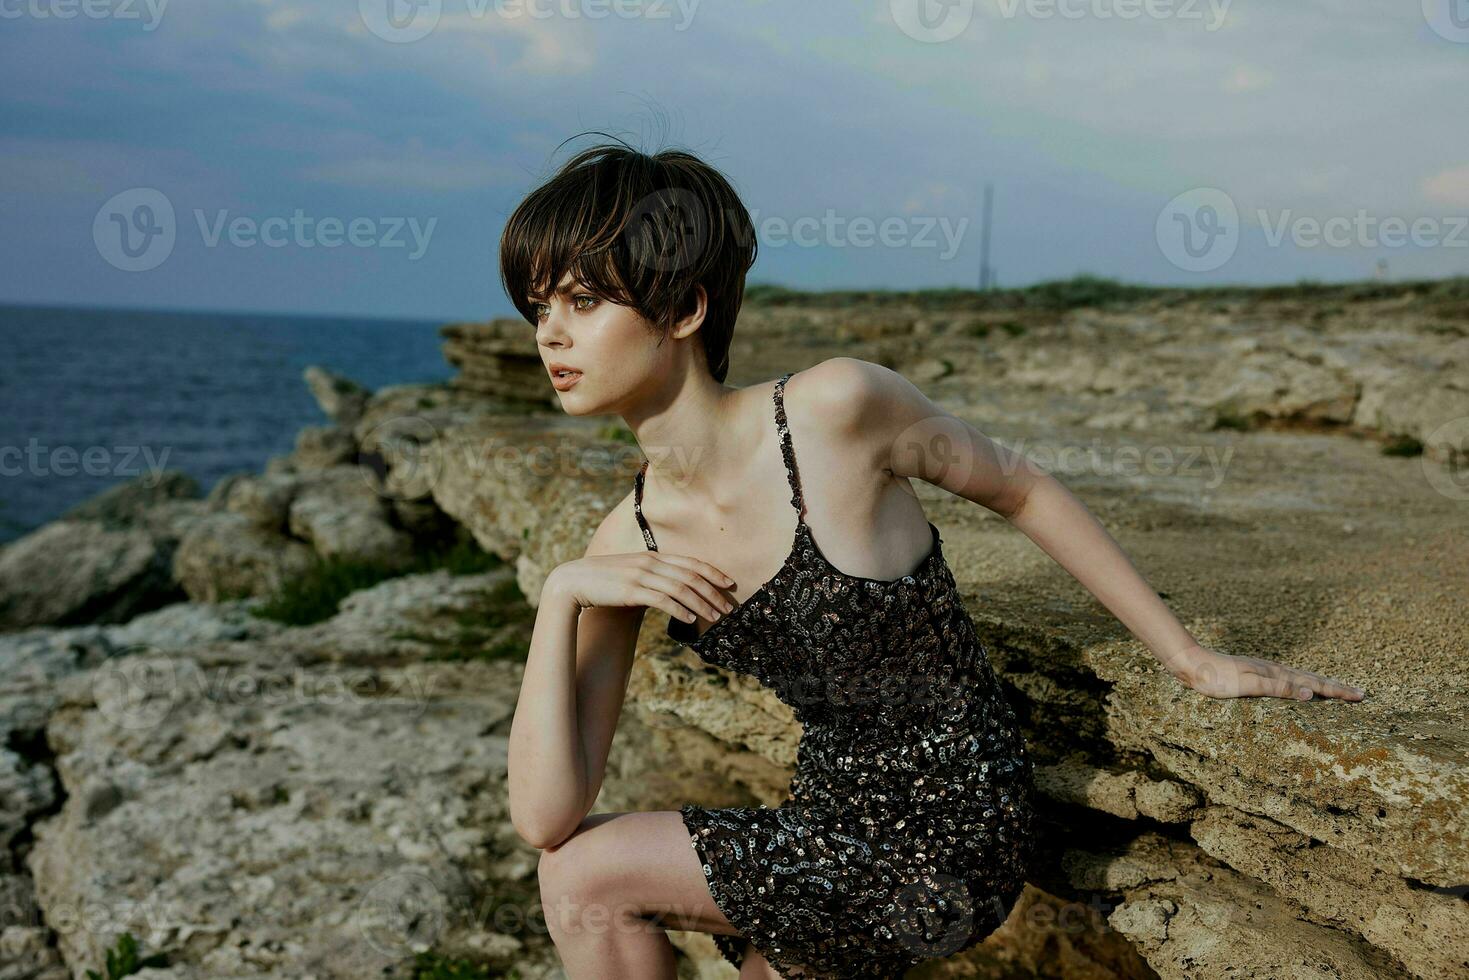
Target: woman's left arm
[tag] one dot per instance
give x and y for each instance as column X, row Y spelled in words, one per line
column 912, row 437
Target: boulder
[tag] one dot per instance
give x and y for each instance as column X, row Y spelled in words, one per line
column 341, row 398
column 255, row 806
column 228, row 556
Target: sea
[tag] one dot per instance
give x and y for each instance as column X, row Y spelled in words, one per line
column 90, row 398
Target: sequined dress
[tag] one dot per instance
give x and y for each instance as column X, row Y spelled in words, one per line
column 906, row 834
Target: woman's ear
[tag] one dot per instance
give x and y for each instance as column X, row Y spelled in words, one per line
column 688, row 324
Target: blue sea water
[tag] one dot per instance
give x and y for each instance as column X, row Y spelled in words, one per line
column 90, row 397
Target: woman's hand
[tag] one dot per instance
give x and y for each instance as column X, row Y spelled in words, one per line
column 679, row 585
column 1221, row 675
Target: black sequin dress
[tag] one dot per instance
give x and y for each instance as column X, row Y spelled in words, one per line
column 907, row 832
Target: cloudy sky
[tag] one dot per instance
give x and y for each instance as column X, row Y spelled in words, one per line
column 360, row 156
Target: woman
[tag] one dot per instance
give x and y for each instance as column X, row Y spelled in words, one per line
column 907, row 832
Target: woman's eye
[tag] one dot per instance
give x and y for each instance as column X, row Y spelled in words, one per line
column 542, row 310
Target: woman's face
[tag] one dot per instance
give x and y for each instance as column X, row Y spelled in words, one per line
column 613, row 349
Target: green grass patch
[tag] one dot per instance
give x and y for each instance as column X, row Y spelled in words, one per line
column 1402, row 445
column 501, row 630
column 432, row 966
column 1446, row 298
column 315, row 595
column 1230, row 420
column 124, row 961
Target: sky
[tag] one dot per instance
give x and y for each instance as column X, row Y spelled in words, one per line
column 360, row 157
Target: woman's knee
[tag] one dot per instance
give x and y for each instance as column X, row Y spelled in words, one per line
column 578, row 886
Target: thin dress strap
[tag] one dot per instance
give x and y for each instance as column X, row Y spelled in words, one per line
column 637, row 506
column 787, row 452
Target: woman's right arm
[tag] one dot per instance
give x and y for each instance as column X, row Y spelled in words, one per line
column 576, row 672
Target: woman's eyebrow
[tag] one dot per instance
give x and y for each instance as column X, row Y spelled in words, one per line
column 567, row 290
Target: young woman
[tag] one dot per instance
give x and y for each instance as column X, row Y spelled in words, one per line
column 777, row 527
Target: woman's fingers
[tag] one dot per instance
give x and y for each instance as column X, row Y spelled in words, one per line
column 690, row 589
column 1281, row 685
column 1302, row 685
column 1334, row 688
column 655, row 598
column 1224, row 676
column 1325, row 686
column 698, row 565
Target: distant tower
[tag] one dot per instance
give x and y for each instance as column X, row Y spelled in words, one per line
column 1382, row 268
column 986, row 273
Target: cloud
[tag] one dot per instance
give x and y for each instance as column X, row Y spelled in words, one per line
column 545, row 46
column 548, row 45
column 934, row 197
column 1248, row 78
column 1451, row 187
column 411, row 167
column 282, row 18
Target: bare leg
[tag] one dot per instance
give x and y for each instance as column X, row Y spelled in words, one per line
column 612, row 887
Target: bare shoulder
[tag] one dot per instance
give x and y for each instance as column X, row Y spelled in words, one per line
column 847, row 389
column 618, row 533
column 857, row 404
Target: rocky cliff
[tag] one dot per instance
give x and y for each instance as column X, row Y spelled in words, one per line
column 253, row 794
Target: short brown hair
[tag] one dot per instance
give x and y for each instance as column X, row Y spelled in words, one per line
column 640, row 230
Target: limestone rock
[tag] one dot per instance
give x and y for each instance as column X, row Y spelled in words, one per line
column 340, row 513
column 494, row 359
column 1386, row 910
column 275, row 809
column 127, row 504
column 320, row 447
column 342, row 399
column 265, row 500
column 82, row 571
column 1191, row 917
column 227, row 556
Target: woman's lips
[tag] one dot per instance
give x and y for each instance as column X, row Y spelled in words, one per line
column 563, row 382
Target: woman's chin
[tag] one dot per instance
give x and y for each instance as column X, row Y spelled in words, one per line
column 572, row 405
